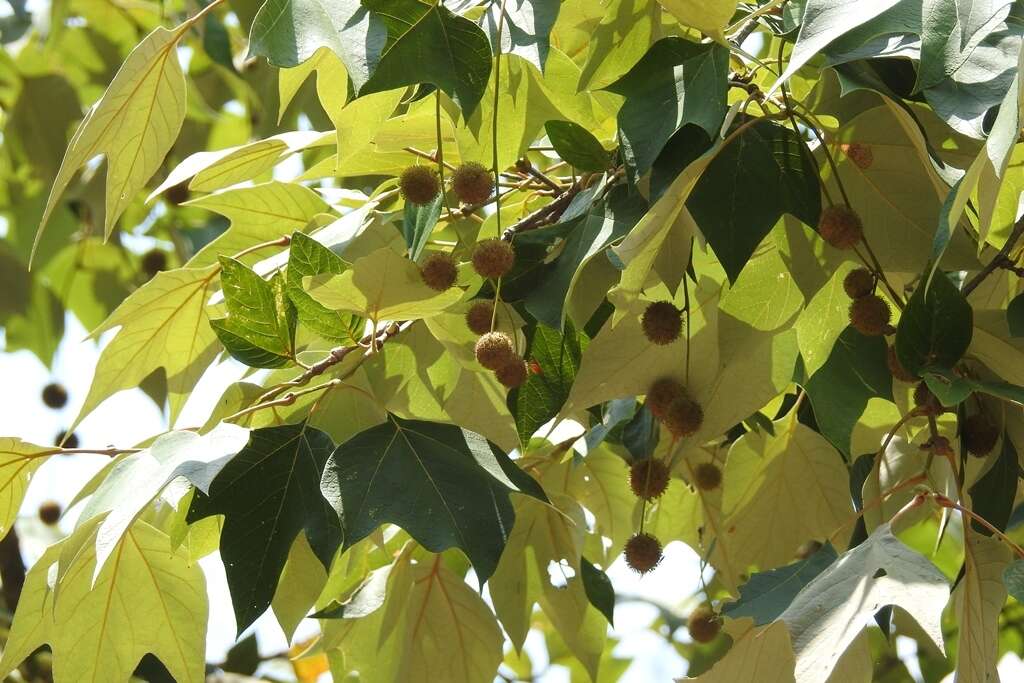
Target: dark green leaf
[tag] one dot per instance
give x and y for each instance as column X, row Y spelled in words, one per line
column 855, row 372
column 243, row 657
column 599, row 589
column 952, row 389
column 418, row 222
column 676, row 82
column 443, row 485
column 554, row 358
column 936, row 327
column 1015, row 316
column 525, row 30
column 1013, row 578
column 640, row 435
column 308, row 257
column 259, row 329
column 217, row 42
column 992, row 496
column 762, row 174
column 428, row 44
column 269, row 493
column 577, row 146
column 767, row 594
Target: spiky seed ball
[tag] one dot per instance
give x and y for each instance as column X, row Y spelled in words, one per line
column 896, row 367
column 840, row 226
column 494, row 350
column 154, row 261
column 807, row 549
column 980, row 434
column 661, row 394
column 439, row 271
column 55, row 396
column 70, row 442
column 683, row 417
column 870, row 315
column 926, row 401
column 643, row 553
column 707, row 476
column 49, row 512
column 419, row 184
column 493, row 258
column 648, row 478
column 662, row 322
column 472, row 183
column 513, row 373
column 858, row 283
column 703, row 624
column 941, row 447
column 479, row 316
column 178, row 194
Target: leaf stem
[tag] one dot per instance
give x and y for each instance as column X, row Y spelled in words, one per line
column 1001, row 257
column 948, row 503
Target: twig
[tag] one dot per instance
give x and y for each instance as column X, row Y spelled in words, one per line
column 545, row 215
column 947, row 503
column 1002, row 257
column 282, row 241
column 539, row 175
column 428, row 156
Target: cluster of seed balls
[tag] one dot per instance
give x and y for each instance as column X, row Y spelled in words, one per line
column 492, row 258
column 55, row 396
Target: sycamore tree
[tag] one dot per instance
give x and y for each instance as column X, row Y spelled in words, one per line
column 759, row 260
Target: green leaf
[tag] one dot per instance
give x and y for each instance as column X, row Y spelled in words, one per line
column 936, row 327
column 686, row 79
column 307, row 257
column 1013, row 579
column 775, row 161
column 47, row 106
column 268, row 493
column 428, row 44
column 993, row 494
column 978, row 600
column 556, row 356
column 133, row 125
column 856, row 371
column 259, row 329
column 19, row 460
column 418, row 222
column 525, row 29
column 599, row 589
column 1015, row 316
column 952, row 389
column 951, row 30
column 148, row 599
column 445, row 486
column 708, row 16
column 767, row 594
column 577, row 146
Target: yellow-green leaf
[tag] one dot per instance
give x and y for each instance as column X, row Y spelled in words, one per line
column 18, row 462
column 763, row 654
column 978, row 599
column 708, row 16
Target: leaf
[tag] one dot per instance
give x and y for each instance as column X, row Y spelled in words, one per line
column 623, row 35
column 428, row 44
column 382, row 286
column 259, row 329
column 135, row 481
column 577, row 146
column 1015, row 316
column 525, row 29
column 599, row 589
column 689, row 80
column 770, row 158
column 936, row 327
column 1013, row 579
column 302, row 580
column 557, row 356
column 307, row 257
column 268, row 493
column 761, row 654
column 993, row 494
column 707, row 16
column 951, row 30
column 163, row 324
column 978, row 600
column 133, row 125
column 418, row 222
column 19, row 460
column 767, row 594
column 445, row 486
column 148, row 599
column 881, row 571
column 824, row 320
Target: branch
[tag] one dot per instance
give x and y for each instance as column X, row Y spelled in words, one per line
column 545, row 215
column 1000, row 259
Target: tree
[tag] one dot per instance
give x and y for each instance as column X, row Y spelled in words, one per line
column 760, row 261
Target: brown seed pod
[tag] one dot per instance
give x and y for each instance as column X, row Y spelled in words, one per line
column 177, row 194
column 493, row 257
column 55, row 396
column 683, row 417
column 896, row 367
column 472, row 183
column 858, row 283
column 513, row 373
column 494, row 350
column 926, row 401
column 643, row 553
column 419, row 184
column 980, row 434
column 71, row 440
column 662, row 322
column 707, row 476
column 840, row 226
column 703, row 624
column 479, row 316
column 439, row 271
column 648, row 478
column 870, row 315
column 49, row 512
column 154, row 261
column 941, row 447
column 661, row 394
column 807, row 549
